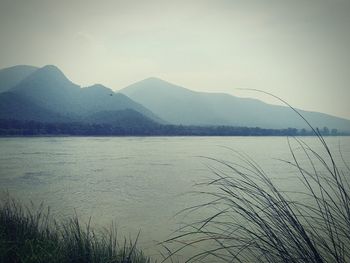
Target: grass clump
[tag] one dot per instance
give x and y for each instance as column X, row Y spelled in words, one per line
column 253, row 220
column 33, row 236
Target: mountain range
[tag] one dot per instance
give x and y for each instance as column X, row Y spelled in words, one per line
column 179, row 105
column 47, row 95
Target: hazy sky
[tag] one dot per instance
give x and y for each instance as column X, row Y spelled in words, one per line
column 296, row 49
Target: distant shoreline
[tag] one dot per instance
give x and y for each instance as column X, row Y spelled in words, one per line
column 17, row 128
column 153, row 136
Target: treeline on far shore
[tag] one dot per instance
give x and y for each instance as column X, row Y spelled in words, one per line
column 33, row 128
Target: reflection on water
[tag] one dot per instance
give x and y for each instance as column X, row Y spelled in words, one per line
column 139, row 183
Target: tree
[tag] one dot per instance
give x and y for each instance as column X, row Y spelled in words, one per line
column 325, row 131
column 334, row 132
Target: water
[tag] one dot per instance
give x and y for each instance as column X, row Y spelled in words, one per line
column 139, row 183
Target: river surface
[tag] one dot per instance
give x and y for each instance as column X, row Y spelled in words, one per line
column 139, row 183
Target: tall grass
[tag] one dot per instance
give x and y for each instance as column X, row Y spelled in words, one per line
column 28, row 235
column 254, row 220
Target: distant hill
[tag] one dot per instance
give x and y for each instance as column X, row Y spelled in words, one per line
column 47, row 95
column 10, row 77
column 179, row 105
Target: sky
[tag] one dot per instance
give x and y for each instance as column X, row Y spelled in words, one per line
column 296, row 49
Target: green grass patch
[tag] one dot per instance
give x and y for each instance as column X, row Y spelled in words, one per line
column 28, row 236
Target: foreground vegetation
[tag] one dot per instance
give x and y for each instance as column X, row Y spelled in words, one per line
column 33, row 236
column 253, row 219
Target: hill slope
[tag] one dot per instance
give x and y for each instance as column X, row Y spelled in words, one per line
column 15, row 107
column 127, row 119
column 179, row 105
column 10, row 77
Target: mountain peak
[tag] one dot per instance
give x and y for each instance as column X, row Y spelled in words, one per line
column 45, row 80
column 51, row 69
column 155, row 86
column 49, row 74
column 50, row 66
column 98, row 88
column 155, row 80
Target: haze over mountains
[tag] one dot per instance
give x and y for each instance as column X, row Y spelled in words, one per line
column 179, row 105
column 46, row 95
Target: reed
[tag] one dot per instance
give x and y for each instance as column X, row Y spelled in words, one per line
column 32, row 235
column 254, row 220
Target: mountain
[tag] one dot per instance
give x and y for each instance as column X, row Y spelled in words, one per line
column 179, row 105
column 49, row 88
column 50, row 92
column 47, row 95
column 10, row 77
